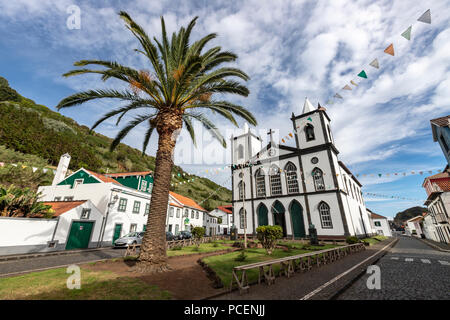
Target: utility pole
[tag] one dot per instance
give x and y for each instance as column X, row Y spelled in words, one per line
column 243, row 207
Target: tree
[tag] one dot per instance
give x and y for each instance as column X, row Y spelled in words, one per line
column 198, row 233
column 184, row 78
column 18, row 202
column 268, row 236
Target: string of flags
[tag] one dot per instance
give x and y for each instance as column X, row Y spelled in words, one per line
column 377, row 195
column 34, row 169
column 424, row 18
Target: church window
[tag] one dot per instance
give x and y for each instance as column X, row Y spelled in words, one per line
column 242, row 220
column 240, row 151
column 291, row 178
column 318, row 179
column 325, row 216
column 260, row 183
column 329, row 132
column 275, row 181
column 241, row 189
column 309, row 131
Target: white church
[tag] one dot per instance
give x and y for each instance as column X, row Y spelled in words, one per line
column 297, row 186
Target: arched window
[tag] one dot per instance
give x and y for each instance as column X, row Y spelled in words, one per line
column 325, row 216
column 309, row 131
column 192, row 214
column 240, row 151
column 260, row 179
column 242, row 220
column 318, row 179
column 241, row 189
column 291, row 178
column 275, row 181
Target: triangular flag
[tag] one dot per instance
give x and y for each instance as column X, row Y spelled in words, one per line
column 362, row 74
column 407, row 33
column 309, row 119
column 346, row 87
column 330, row 102
column 425, row 17
column 337, row 95
column 291, row 135
column 390, row 49
column 375, row 64
column 353, row 83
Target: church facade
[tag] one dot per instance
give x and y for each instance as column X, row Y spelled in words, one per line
column 297, row 186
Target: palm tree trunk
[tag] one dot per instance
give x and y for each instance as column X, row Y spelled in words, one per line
column 153, row 257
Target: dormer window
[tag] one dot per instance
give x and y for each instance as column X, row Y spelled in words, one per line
column 309, row 131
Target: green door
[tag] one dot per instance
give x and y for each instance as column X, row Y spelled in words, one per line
column 79, row 236
column 278, row 216
column 117, row 232
column 298, row 224
column 263, row 219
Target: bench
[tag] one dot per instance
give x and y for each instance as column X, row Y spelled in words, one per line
column 132, row 249
column 288, row 265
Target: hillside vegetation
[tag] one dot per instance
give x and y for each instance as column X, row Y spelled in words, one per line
column 34, row 135
column 409, row 213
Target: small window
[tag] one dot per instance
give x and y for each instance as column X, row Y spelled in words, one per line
column 85, row 213
column 325, row 216
column 147, row 209
column 186, row 213
column 77, row 182
column 144, row 185
column 309, row 132
column 196, row 215
column 377, row 223
column 178, row 212
column 68, row 198
column 57, row 199
column 133, row 227
column 122, row 205
column 192, row 214
column 171, row 210
column 136, row 206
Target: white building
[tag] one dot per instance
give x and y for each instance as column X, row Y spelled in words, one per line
column 381, row 224
column 297, row 186
column 224, row 215
column 430, row 227
column 211, row 224
column 413, row 227
column 183, row 213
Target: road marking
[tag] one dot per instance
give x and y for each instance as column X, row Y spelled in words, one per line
column 409, row 259
column 312, row 293
column 425, row 260
column 444, row 263
column 394, row 258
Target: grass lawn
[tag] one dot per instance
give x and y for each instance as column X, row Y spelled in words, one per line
column 204, row 248
column 374, row 240
column 223, row 264
column 95, row 285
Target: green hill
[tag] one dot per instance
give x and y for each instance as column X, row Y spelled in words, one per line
column 407, row 214
column 34, row 135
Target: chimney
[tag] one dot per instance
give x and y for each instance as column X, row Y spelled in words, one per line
column 61, row 171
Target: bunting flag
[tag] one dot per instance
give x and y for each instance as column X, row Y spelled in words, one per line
column 354, row 83
column 375, row 64
column 390, row 49
column 407, row 33
column 309, row 119
column 425, row 17
column 330, row 102
column 362, row 74
column 346, row 87
column 337, row 95
column 291, row 134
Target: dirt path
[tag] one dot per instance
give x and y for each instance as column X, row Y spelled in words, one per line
column 187, row 279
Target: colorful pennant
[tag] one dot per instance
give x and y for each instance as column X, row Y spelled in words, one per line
column 375, row 64
column 362, row 74
column 353, row 83
column 346, row 87
column 390, row 49
column 425, row 17
column 407, row 33
column 337, row 95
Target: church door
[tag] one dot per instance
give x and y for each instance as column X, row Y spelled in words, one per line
column 298, row 225
column 263, row 219
column 278, row 216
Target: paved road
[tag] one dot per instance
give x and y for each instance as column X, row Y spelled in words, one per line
column 409, row 271
column 8, row 268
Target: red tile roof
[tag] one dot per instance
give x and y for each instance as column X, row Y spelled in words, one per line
column 226, row 209
column 175, row 205
column 376, row 216
column 61, row 207
column 124, row 174
column 103, row 178
column 444, row 184
column 441, row 122
column 186, row 201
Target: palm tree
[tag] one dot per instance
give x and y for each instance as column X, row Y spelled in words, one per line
column 182, row 83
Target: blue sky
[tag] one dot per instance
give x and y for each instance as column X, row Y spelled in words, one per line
column 290, row 49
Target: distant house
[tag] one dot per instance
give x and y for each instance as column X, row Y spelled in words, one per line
column 224, row 215
column 437, row 188
column 183, row 212
column 413, row 226
column 441, row 133
column 380, row 224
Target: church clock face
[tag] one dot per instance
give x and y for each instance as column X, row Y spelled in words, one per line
column 314, row 160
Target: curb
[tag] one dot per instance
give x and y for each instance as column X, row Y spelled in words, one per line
column 47, row 254
column 434, row 246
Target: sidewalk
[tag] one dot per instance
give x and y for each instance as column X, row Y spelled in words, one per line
column 321, row 283
column 436, row 245
column 47, row 254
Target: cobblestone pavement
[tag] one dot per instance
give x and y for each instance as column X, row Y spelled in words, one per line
column 9, row 268
column 409, row 271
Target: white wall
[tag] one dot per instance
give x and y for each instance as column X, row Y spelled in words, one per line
column 23, row 235
column 384, row 228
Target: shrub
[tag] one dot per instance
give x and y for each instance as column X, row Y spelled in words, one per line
column 176, row 248
column 198, row 233
column 241, row 257
column 352, row 240
column 268, row 236
column 215, row 244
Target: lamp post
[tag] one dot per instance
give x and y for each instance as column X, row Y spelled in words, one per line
column 243, row 208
